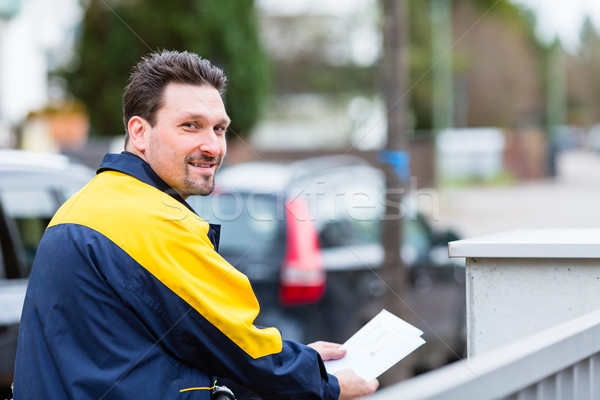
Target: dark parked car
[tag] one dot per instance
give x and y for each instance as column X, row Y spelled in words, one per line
column 32, row 187
column 307, row 234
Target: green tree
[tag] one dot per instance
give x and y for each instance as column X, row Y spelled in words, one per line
column 116, row 34
column 583, row 79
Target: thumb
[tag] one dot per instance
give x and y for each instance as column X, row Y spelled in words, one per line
column 373, row 384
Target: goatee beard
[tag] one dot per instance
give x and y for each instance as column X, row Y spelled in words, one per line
column 206, row 183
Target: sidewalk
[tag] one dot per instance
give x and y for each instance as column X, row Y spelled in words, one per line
column 569, row 200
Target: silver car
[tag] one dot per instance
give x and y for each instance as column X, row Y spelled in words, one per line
column 32, row 188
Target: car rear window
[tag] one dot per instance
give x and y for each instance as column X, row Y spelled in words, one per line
column 251, row 222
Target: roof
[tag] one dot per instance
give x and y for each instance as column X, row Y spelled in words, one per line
column 10, row 157
column 45, row 164
column 270, row 177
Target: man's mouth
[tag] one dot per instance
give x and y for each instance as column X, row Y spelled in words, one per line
column 202, row 165
column 211, row 163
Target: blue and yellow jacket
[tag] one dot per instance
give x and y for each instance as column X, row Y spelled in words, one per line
column 128, row 299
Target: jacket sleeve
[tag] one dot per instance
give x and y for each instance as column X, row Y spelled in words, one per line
column 208, row 323
column 202, row 311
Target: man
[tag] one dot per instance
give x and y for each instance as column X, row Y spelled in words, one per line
column 128, row 298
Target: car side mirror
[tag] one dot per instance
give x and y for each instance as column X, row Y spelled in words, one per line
column 442, row 238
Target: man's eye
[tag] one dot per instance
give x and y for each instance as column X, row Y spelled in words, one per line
column 220, row 129
column 190, row 125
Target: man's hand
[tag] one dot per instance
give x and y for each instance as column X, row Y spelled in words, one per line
column 353, row 386
column 328, row 350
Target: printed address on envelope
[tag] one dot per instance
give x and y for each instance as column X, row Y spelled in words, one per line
column 377, row 346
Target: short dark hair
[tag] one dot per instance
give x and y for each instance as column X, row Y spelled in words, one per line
column 143, row 95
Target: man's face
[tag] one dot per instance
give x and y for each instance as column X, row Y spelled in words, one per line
column 186, row 145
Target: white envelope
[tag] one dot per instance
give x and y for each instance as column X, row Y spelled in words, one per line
column 377, row 346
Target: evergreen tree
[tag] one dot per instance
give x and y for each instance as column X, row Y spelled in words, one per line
column 115, row 35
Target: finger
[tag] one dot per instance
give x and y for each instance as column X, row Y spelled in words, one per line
column 332, row 353
column 323, row 344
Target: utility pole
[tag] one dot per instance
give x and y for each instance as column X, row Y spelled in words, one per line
column 396, row 159
column 8, row 9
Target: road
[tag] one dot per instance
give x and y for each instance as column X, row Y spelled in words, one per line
column 569, row 200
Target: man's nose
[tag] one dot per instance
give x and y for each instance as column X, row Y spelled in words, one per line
column 210, row 144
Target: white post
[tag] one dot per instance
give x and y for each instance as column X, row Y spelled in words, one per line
column 524, row 281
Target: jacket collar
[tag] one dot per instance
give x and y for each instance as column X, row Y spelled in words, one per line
column 130, row 164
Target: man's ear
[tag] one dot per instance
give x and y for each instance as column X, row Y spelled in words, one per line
column 137, row 129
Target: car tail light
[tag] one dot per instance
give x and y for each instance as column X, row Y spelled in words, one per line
column 302, row 277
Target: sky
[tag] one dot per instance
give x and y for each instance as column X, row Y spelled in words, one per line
column 563, row 18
